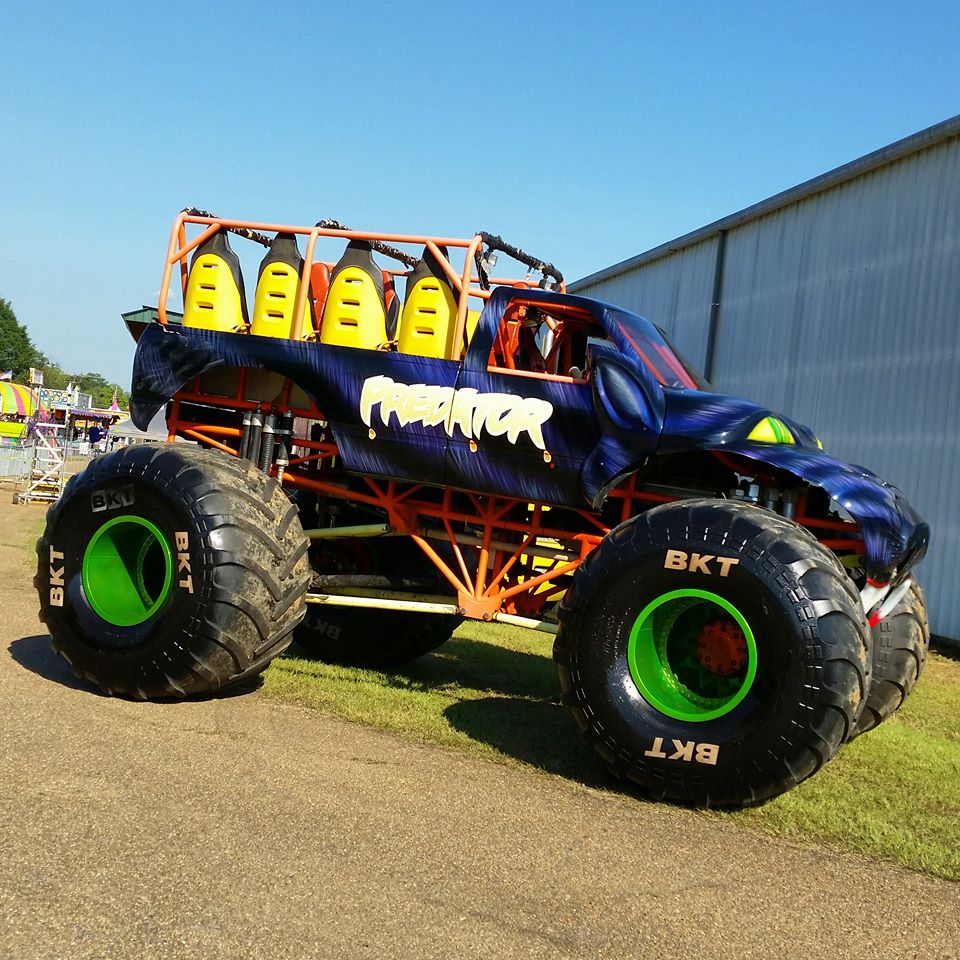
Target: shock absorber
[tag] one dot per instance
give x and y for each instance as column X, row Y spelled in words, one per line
column 268, row 442
column 256, row 430
column 284, row 436
column 245, row 434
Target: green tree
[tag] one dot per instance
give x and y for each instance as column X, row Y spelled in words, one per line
column 17, row 352
column 54, row 376
column 99, row 389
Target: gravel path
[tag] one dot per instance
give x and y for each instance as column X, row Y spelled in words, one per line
column 242, row 828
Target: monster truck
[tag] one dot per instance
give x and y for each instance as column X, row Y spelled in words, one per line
column 729, row 603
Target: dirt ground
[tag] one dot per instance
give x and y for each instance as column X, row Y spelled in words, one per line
column 237, row 827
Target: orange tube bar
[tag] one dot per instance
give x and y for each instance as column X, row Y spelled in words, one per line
column 197, row 240
column 439, row 563
column 505, row 569
column 300, row 309
column 175, row 234
column 456, row 551
column 328, row 232
column 216, row 430
column 455, row 278
column 176, row 251
column 458, row 336
column 213, row 443
column 543, row 578
column 181, row 240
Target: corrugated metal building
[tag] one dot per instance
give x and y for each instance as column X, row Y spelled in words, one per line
column 837, row 302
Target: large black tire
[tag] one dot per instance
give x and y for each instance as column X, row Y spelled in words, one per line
column 900, row 645
column 358, row 637
column 811, row 653
column 169, row 571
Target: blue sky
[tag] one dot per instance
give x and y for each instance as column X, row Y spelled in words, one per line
column 584, row 132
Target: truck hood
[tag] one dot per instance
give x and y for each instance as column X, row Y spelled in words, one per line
column 895, row 536
column 698, row 419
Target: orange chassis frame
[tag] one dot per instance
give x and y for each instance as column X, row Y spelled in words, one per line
column 502, row 531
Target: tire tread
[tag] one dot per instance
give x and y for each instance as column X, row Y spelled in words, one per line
column 831, row 617
column 258, row 574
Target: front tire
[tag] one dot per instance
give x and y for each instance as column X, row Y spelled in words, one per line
column 713, row 653
column 900, row 645
column 169, row 571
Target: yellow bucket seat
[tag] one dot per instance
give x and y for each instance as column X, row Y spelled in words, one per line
column 428, row 321
column 278, row 282
column 214, row 298
column 355, row 314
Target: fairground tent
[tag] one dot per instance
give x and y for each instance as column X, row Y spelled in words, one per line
column 17, row 399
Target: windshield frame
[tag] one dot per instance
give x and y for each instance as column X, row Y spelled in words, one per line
column 654, row 349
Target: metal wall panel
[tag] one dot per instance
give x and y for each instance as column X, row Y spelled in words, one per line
column 674, row 292
column 843, row 310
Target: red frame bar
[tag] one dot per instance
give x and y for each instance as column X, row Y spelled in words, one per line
column 412, row 507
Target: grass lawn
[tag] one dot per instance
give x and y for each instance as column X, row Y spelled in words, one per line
column 893, row 793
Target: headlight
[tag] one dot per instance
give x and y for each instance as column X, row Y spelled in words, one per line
column 771, row 430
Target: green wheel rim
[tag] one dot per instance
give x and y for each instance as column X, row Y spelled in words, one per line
column 663, row 662
column 127, row 571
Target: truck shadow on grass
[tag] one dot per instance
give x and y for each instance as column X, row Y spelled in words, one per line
column 37, row 655
column 520, row 716
column 475, row 665
column 502, row 698
column 539, row 733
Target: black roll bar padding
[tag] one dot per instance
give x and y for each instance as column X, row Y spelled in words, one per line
column 260, row 238
column 494, row 242
column 491, row 240
column 377, row 245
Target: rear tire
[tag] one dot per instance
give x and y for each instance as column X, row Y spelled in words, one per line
column 353, row 637
column 713, row 653
column 169, row 571
column 900, row 645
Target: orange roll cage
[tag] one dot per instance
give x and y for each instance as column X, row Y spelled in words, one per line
column 466, row 283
